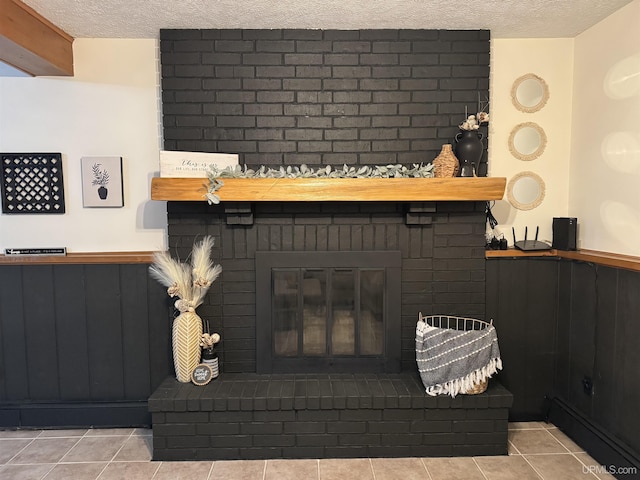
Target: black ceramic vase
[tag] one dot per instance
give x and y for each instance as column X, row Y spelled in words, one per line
column 469, row 150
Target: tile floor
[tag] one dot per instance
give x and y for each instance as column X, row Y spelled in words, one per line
column 536, row 451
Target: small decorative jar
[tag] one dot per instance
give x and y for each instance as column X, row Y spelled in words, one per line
column 210, row 357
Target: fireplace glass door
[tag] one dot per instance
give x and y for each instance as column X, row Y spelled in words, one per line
column 326, row 312
column 330, row 311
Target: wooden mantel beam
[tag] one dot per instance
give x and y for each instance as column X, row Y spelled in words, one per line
column 31, row 43
column 332, row 189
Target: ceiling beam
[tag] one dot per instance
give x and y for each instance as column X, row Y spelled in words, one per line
column 31, row 43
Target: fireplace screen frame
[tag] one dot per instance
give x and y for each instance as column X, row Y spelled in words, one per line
column 388, row 261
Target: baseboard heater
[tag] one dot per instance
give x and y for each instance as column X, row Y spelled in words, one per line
column 602, row 446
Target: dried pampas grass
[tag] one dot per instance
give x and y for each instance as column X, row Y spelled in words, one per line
column 189, row 283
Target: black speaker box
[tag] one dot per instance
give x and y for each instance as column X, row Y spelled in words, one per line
column 564, row 233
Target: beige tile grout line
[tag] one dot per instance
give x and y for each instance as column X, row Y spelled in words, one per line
column 20, row 451
column 426, row 469
column 208, row 474
column 568, row 452
column 373, row 472
column 478, row 467
column 525, row 459
column 131, row 435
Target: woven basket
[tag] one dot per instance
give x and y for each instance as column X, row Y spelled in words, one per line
column 446, row 164
column 460, row 323
column 478, row 388
column 186, row 335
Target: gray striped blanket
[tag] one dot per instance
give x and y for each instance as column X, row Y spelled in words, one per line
column 453, row 359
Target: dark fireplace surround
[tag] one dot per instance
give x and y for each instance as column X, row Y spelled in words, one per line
column 440, row 244
column 282, row 97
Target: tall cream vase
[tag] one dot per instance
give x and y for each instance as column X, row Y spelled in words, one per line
column 186, row 335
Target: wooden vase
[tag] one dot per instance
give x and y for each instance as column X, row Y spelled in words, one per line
column 186, row 335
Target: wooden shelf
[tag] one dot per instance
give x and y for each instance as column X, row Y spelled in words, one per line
column 614, row 260
column 79, row 258
column 514, row 252
column 332, row 189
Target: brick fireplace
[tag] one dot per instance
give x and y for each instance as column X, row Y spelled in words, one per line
column 283, row 97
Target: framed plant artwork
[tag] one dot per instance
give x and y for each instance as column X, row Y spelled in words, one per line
column 102, row 182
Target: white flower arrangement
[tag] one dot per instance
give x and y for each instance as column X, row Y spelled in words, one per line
column 209, row 340
column 473, row 121
column 188, row 282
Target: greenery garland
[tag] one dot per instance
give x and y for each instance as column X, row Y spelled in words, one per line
column 303, row 171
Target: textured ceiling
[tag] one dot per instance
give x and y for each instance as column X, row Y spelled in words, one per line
column 505, row 18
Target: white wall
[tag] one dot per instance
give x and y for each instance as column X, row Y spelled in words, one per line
column 109, row 108
column 552, row 60
column 605, row 147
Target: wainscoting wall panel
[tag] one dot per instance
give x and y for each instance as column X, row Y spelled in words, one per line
column 80, row 338
column 568, row 333
column 521, row 301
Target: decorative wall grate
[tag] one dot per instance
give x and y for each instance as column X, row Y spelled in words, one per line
column 32, row 183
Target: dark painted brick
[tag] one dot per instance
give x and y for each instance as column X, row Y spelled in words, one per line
column 318, row 415
column 316, row 440
column 189, row 441
column 217, row 428
column 167, row 430
column 263, row 428
column 215, row 454
column 228, row 441
column 401, row 439
column 175, row 454
column 431, row 451
column 347, row 427
column 361, row 415
column 363, row 439
column 436, row 426
column 274, row 440
column 389, row 427
column 305, row 427
column 446, row 414
column 259, row 453
column 346, row 452
column 275, row 416
column 187, row 417
column 475, row 426
column 443, row 438
column 303, row 452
